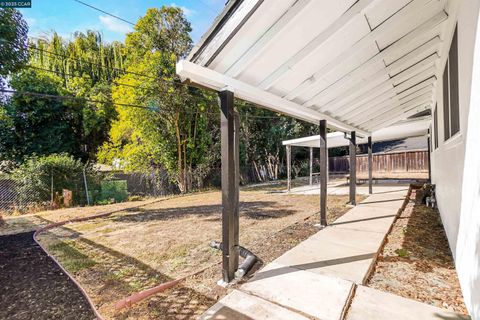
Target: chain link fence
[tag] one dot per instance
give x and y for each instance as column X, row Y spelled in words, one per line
column 22, row 194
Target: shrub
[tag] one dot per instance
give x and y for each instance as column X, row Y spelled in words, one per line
column 114, row 189
column 37, row 177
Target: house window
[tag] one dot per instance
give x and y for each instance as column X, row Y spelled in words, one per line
column 435, row 127
column 451, row 117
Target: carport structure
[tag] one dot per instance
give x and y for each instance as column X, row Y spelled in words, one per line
column 353, row 66
column 416, row 127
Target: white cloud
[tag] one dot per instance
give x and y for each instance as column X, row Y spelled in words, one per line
column 114, row 25
column 187, row 11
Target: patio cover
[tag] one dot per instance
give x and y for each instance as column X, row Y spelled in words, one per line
column 356, row 66
column 361, row 65
column 404, row 129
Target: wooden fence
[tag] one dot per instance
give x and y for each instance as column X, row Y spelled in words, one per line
column 398, row 164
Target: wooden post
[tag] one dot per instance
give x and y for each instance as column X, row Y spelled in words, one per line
column 370, row 164
column 323, row 172
column 311, row 166
column 428, row 152
column 230, row 221
column 289, row 167
column 353, row 167
column 236, row 216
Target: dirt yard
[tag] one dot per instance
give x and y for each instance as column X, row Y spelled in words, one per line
column 416, row 261
column 164, row 239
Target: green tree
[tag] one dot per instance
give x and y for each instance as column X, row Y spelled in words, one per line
column 85, row 55
column 262, row 132
column 87, row 67
column 178, row 131
column 165, row 30
column 13, row 41
column 39, row 125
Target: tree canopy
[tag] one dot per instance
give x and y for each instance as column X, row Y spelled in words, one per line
column 13, row 41
column 122, row 104
column 39, row 126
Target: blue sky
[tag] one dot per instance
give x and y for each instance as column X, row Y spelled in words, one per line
column 68, row 16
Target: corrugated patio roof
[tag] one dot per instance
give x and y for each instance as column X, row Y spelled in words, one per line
column 361, row 65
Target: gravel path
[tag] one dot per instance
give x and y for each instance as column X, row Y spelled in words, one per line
column 32, row 286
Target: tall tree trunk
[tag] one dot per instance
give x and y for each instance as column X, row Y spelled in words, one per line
column 180, row 169
column 259, row 176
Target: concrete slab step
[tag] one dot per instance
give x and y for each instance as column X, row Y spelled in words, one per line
column 241, row 306
column 312, row 294
column 344, row 254
column 373, row 304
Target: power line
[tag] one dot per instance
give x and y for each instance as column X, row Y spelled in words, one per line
column 59, row 97
column 64, row 74
column 92, row 63
column 173, row 82
column 103, row 11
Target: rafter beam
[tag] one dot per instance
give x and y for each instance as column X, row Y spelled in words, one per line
column 214, row 80
column 395, row 112
column 254, row 51
column 355, row 109
column 413, row 81
column 365, row 42
column 424, row 84
column 369, row 105
column 357, row 114
column 389, row 107
column 414, row 56
column 358, row 98
column 333, row 28
column 424, row 65
column 395, row 118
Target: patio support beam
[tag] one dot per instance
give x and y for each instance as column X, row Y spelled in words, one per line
column 353, row 167
column 370, row 163
column 289, row 167
column 230, row 218
column 311, row 166
column 207, row 78
column 323, row 172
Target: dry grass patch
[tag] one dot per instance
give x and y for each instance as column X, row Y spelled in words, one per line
column 141, row 247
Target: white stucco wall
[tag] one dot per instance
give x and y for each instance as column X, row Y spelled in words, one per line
column 456, row 162
column 468, row 240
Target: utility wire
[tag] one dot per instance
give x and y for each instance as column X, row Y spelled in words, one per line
column 115, row 82
column 60, row 97
column 105, row 12
column 173, row 82
column 92, row 63
column 64, row 74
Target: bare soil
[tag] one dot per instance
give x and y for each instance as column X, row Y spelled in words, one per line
column 33, row 286
column 416, row 261
column 168, row 238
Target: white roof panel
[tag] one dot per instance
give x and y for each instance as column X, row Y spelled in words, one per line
column 361, row 65
column 403, row 130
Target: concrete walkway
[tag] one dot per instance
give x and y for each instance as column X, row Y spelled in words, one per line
column 340, row 187
column 317, row 279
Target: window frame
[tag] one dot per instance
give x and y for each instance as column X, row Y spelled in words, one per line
column 435, row 128
column 451, row 104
